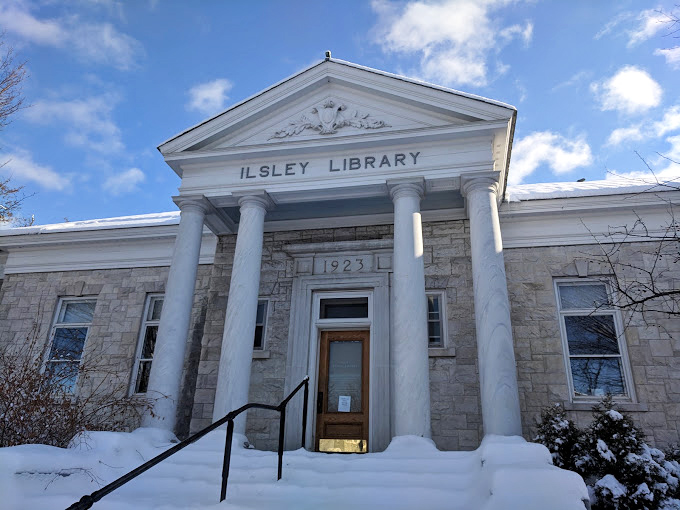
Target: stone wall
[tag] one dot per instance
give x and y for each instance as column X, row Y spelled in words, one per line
column 28, row 299
column 653, row 341
column 653, row 346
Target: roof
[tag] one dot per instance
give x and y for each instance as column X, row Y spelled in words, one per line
column 616, row 186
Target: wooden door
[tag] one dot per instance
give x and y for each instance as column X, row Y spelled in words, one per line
column 342, row 399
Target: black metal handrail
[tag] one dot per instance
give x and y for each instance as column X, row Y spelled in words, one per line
column 90, row 499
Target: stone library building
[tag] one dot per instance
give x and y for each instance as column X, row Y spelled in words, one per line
column 356, row 227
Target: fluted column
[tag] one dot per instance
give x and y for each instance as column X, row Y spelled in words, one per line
column 233, row 378
column 409, row 365
column 497, row 370
column 168, row 357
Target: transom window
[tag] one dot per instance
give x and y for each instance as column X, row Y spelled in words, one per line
column 593, row 340
column 68, row 336
column 260, row 324
column 436, row 322
column 343, row 308
column 147, row 342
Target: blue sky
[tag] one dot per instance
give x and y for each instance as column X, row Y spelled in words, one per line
column 593, row 82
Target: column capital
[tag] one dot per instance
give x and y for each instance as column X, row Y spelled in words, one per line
column 486, row 181
column 406, row 187
column 192, row 203
column 258, row 199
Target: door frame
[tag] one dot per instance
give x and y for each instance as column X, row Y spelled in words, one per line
column 303, row 349
column 319, row 325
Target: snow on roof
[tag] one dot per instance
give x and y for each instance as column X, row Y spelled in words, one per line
column 140, row 220
column 618, row 186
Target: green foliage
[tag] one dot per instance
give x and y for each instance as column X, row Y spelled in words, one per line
column 621, row 470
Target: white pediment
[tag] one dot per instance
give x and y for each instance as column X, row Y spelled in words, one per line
column 332, row 112
column 335, row 100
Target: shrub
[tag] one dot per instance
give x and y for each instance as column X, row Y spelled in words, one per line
column 34, row 408
column 620, row 469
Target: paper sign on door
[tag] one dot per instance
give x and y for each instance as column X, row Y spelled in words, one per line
column 344, row 402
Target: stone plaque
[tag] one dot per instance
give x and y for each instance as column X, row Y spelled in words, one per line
column 343, row 264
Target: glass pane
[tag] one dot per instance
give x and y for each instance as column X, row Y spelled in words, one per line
column 77, row 311
column 344, row 376
column 434, row 330
column 143, row 377
column 597, row 376
column 63, row 375
column 583, row 296
column 258, row 338
column 149, row 341
column 155, row 309
column 68, row 343
column 433, row 307
column 591, row 334
column 261, row 312
column 344, row 308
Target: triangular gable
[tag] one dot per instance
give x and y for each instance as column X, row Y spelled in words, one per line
column 334, row 99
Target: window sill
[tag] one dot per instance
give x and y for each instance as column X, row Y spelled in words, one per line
column 623, row 406
column 441, row 352
column 261, row 355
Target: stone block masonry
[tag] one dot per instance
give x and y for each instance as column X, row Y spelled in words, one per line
column 31, row 298
column 651, row 341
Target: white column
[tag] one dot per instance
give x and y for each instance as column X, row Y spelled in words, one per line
column 168, row 357
column 233, row 377
column 497, row 370
column 409, row 364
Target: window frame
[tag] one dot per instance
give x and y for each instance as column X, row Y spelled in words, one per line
column 57, row 324
column 610, row 310
column 145, row 323
column 442, row 319
column 264, row 324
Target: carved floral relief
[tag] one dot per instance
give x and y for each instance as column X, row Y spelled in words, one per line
column 327, row 118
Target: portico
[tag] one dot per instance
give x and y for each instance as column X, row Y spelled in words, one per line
column 339, row 145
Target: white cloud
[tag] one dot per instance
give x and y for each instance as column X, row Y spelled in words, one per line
column 669, row 122
column 92, row 42
column 672, row 56
column 561, row 154
column 574, row 79
column 621, row 135
column 124, row 182
column 87, row 122
column 455, row 38
column 650, row 23
column 631, row 90
column 20, row 165
column 209, row 97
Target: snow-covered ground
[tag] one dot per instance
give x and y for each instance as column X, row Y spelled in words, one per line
column 503, row 474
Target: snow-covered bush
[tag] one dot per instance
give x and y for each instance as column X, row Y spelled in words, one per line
column 620, row 469
column 561, row 436
column 34, row 409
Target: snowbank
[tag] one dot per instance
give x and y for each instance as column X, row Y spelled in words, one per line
column 504, row 473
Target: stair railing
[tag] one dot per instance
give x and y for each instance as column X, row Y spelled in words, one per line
column 88, row 500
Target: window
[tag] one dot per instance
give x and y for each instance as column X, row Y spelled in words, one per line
column 436, row 319
column 147, row 342
column 343, row 308
column 260, row 324
column 71, row 325
column 592, row 333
